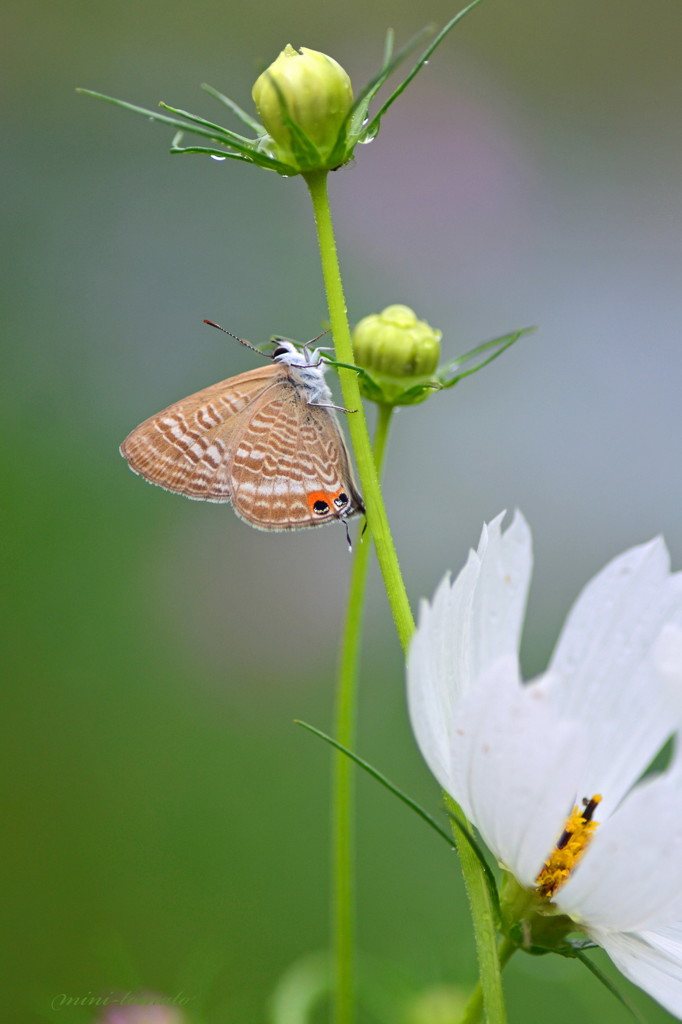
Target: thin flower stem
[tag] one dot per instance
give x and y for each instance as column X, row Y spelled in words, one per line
column 357, row 424
column 488, row 993
column 474, row 1008
column 343, row 908
column 343, row 806
column 381, row 436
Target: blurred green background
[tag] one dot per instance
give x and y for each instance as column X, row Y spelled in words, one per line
column 167, row 826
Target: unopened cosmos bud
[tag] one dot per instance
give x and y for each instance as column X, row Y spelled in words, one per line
column 314, row 92
column 396, row 343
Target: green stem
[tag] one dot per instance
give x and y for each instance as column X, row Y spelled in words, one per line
column 474, row 1008
column 357, row 425
column 381, row 436
column 488, row 993
column 343, row 909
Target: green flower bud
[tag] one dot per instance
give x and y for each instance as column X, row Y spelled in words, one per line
column 397, row 344
column 303, row 100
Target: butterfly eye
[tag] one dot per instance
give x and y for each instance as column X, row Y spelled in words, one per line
column 320, row 508
column 341, row 500
column 280, row 351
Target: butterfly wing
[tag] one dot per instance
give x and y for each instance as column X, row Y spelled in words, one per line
column 187, row 447
column 290, row 467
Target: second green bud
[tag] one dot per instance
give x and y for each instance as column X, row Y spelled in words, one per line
column 399, row 353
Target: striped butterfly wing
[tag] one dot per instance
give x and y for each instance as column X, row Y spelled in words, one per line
column 187, row 447
column 290, row 467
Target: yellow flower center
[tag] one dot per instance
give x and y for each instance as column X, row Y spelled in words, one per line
column 571, row 845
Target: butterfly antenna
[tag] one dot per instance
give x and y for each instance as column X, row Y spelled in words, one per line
column 313, row 340
column 212, row 323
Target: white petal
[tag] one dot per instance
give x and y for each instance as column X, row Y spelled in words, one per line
column 513, row 761
column 470, row 624
column 667, row 940
column 630, row 877
column 606, row 658
column 430, row 700
column 651, row 960
column 668, row 664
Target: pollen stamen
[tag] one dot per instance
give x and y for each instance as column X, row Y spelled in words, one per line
column 570, row 847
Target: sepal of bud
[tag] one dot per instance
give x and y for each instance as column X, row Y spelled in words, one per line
column 304, row 99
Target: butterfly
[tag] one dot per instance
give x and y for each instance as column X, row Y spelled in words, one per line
column 268, row 441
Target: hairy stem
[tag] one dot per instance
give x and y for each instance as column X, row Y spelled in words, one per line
column 343, row 906
column 474, row 1008
column 357, row 424
column 488, row 994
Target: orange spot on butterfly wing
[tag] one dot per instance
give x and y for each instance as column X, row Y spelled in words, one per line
column 321, row 503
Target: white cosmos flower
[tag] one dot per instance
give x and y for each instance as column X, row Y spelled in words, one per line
column 519, row 757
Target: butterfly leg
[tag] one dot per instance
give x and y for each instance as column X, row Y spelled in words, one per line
column 330, row 405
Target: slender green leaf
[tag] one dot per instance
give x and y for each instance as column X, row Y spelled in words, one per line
column 218, row 129
column 358, row 113
column 249, row 121
column 424, row 815
column 499, row 345
column 417, row 393
column 361, row 372
column 453, row 811
column 153, row 115
column 578, row 954
column 219, row 154
column 373, row 126
column 447, row 369
column 388, row 47
column 373, row 391
column 249, row 156
column 230, row 138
